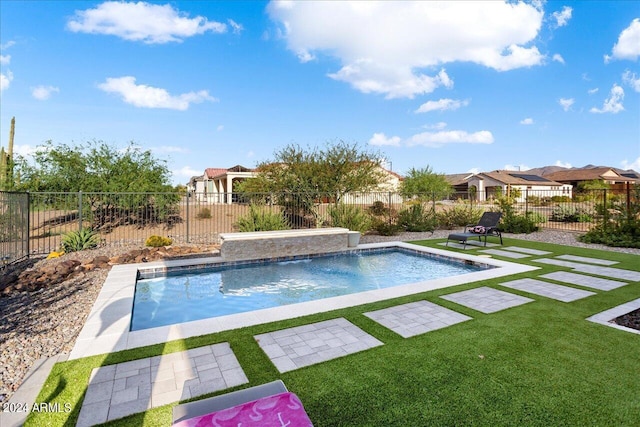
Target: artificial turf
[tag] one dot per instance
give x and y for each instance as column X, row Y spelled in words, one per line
column 538, row 364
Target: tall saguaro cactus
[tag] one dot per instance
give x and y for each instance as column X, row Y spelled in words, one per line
column 6, row 161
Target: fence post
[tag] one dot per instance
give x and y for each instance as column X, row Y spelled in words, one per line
column 390, row 220
column 187, row 213
column 79, row 211
column 526, row 202
column 628, row 203
column 605, row 211
column 28, row 224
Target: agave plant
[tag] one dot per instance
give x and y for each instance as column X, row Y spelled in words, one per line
column 80, row 240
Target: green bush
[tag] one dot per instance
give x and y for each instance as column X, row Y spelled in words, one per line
column 537, row 217
column 569, row 213
column 511, row 221
column 158, row 241
column 417, row 218
column 385, row 228
column 350, row 216
column 458, row 215
column 80, row 240
column 204, row 213
column 260, row 220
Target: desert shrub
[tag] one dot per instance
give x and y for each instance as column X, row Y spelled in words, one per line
column 569, row 213
column 158, row 241
column 537, row 217
column 258, row 219
column 458, row 215
column 349, row 216
column 384, row 228
column 417, row 218
column 511, row 221
column 74, row 241
column 204, row 213
column 384, row 220
column 560, row 199
column 620, row 224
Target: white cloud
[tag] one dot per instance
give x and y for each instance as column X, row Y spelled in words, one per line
column 558, row 58
column 563, row 16
column 442, row 105
column 7, row 45
column 519, row 167
column 43, row 93
column 474, row 170
column 220, row 128
column 613, row 104
column 628, row 45
column 188, row 171
column 380, row 139
column 566, row 103
column 5, row 80
column 635, row 165
column 142, row 21
column 25, row 150
column 630, row 78
column 151, row 97
column 562, row 164
column 593, row 91
column 5, row 59
column 235, row 27
column 441, row 138
column 527, row 121
column 385, row 47
column 437, row 126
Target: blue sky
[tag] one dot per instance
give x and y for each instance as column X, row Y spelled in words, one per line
column 459, row 86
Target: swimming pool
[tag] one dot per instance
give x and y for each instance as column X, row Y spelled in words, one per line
column 232, row 289
column 108, row 325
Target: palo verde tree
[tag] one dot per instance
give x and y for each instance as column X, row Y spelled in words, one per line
column 300, row 177
column 122, row 187
column 424, row 184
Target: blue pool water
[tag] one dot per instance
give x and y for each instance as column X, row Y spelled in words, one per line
column 236, row 289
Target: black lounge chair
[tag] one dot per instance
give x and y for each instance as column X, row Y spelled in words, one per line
column 487, row 226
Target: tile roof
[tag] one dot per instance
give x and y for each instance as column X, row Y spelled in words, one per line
column 519, row 178
column 587, row 174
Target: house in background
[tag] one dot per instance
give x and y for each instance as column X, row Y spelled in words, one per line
column 575, row 177
column 216, row 185
column 487, row 185
column 460, row 183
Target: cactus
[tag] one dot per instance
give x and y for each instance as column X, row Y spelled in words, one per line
column 6, row 161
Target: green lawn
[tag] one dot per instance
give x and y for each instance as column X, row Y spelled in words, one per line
column 539, row 364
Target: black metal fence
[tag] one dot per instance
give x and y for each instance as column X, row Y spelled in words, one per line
column 34, row 223
column 14, row 227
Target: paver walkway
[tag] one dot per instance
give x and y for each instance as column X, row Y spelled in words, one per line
column 549, row 290
column 486, row 300
column 116, row 391
column 294, row 348
column 587, row 259
column 416, row 318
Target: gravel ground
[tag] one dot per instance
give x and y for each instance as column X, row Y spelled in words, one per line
column 46, row 323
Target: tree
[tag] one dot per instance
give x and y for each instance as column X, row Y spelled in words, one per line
column 425, row 185
column 299, row 178
column 104, row 173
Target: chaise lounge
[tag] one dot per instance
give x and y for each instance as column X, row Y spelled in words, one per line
column 486, row 226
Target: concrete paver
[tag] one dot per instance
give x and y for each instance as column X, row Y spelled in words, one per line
column 584, row 280
column 526, row 250
column 549, row 290
column 416, row 318
column 486, row 300
column 587, row 259
column 506, row 254
column 116, row 391
column 294, row 348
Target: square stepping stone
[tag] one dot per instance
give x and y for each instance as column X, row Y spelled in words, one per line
column 558, row 262
column 119, row 390
column 587, row 260
column 526, row 250
column 583, row 280
column 486, row 300
column 549, row 290
column 506, row 254
column 416, row 318
column 294, row 348
column 615, row 273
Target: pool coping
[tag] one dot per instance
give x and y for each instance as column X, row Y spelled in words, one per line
column 106, row 329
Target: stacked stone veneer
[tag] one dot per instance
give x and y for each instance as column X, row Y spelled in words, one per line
column 285, row 243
